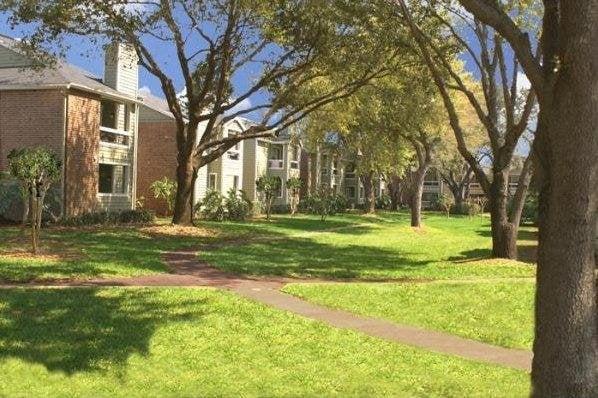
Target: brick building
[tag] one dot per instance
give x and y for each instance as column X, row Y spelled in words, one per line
column 90, row 123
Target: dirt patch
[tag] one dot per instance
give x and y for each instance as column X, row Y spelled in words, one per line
column 170, row 230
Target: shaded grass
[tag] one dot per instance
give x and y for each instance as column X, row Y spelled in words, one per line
column 88, row 253
column 499, row 313
column 383, row 247
column 201, row 342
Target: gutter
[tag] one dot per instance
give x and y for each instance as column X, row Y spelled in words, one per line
column 75, row 86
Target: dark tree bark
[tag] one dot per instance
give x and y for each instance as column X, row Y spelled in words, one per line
column 368, row 190
column 183, row 214
column 498, row 88
column 565, row 360
column 394, row 189
column 422, row 144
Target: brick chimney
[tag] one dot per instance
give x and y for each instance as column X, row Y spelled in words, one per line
column 121, row 71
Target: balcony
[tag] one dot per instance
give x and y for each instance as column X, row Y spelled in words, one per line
column 114, row 138
column 276, row 164
column 432, row 186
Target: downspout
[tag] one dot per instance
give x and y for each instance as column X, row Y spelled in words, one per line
column 64, row 154
column 134, row 160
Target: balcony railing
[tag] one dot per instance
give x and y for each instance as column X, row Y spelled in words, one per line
column 275, row 164
column 114, row 137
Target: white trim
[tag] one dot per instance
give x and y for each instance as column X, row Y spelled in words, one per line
column 112, row 163
column 68, row 86
column 120, row 195
column 113, row 145
column 115, row 131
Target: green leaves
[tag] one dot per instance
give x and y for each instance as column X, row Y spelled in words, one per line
column 34, row 165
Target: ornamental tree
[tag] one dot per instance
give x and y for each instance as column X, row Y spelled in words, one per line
column 36, row 169
column 268, row 186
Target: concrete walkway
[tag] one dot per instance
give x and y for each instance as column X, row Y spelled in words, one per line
column 188, row 270
column 267, row 291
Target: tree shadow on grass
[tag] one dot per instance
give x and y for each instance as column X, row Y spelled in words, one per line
column 85, row 329
column 89, row 253
column 300, row 257
column 525, row 253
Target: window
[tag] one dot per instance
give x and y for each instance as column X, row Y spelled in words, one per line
column 276, row 153
column 236, row 183
column 295, row 153
column 113, row 179
column 350, row 170
column 233, row 153
column 212, row 181
column 350, row 192
column 109, row 114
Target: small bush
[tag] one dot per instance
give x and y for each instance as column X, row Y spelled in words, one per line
column 165, row 189
column 383, row 202
column 444, row 202
column 529, row 213
column 473, row 208
column 237, row 206
column 139, row 216
column 211, row 207
column 324, row 204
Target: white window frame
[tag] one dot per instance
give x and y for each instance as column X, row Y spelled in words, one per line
column 215, row 181
column 127, row 181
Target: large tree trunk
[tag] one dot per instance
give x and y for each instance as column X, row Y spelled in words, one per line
column 417, row 192
column 183, row 214
column 504, row 233
column 368, row 190
column 565, row 349
column 394, row 189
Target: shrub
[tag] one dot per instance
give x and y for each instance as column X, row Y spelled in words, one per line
column 383, row 202
column 324, row 204
column 211, row 207
column 444, row 202
column 267, row 186
column 139, row 216
column 165, row 189
column 237, row 206
column 294, row 185
column 473, row 208
column 36, row 169
column 529, row 213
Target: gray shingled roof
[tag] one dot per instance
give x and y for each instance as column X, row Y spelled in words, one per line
column 155, row 103
column 60, row 75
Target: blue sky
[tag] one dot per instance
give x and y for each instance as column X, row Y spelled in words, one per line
column 89, row 56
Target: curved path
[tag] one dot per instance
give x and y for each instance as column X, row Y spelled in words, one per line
column 188, row 270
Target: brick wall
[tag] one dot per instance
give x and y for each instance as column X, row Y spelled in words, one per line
column 82, row 151
column 31, row 118
column 156, row 158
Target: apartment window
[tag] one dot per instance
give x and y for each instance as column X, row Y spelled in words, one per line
column 113, row 178
column 350, row 170
column 236, row 183
column 350, row 191
column 109, row 114
column 233, row 153
column 212, row 181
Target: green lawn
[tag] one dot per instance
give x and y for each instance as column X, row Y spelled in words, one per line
column 201, row 342
column 370, row 247
column 90, row 252
column 499, row 313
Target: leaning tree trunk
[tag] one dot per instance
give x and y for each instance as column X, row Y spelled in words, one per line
column 183, row 214
column 416, row 196
column 504, row 233
column 565, row 360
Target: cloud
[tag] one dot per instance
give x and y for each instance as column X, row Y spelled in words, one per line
column 241, row 106
column 523, row 83
column 144, row 91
